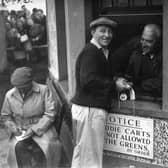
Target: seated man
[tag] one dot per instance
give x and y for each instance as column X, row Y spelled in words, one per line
column 144, row 69
column 28, row 112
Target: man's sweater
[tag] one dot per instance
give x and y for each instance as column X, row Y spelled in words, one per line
column 93, row 83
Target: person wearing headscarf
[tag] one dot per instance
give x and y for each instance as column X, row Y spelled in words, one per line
column 28, row 112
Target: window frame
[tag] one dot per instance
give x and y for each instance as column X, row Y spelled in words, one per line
column 144, row 108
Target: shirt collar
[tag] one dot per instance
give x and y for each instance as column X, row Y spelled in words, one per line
column 105, row 50
column 150, row 55
column 35, row 88
column 93, row 41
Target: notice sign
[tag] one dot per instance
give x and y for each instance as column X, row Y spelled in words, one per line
column 129, row 135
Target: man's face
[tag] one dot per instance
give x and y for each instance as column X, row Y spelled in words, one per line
column 148, row 41
column 103, row 35
column 38, row 15
column 23, row 8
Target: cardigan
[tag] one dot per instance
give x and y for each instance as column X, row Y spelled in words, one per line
column 94, row 85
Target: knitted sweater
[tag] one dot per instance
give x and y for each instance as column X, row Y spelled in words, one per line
column 93, row 82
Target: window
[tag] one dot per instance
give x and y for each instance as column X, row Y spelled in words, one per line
column 132, row 16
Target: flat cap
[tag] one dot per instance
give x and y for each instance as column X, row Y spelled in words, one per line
column 103, row 21
column 21, row 77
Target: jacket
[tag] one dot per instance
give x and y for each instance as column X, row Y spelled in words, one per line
column 37, row 112
column 146, row 72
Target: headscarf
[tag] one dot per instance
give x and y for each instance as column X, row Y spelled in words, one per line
column 21, row 77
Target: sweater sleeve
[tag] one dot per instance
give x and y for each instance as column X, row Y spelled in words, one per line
column 49, row 115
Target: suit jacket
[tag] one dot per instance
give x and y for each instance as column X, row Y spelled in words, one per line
column 148, row 77
column 127, row 61
column 119, row 59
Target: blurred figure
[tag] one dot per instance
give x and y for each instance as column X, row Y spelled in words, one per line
column 24, row 30
column 27, row 13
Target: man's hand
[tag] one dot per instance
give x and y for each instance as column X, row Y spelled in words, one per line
column 29, row 132
column 16, row 131
column 122, row 84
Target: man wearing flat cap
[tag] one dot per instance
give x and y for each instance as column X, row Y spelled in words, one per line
column 28, row 112
column 94, row 87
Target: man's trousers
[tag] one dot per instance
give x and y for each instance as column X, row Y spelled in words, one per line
column 89, row 128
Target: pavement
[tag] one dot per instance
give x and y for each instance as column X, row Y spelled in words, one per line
column 108, row 161
column 114, row 162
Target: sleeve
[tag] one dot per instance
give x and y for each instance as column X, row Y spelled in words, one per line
column 49, row 114
column 6, row 115
column 130, row 69
column 119, row 59
column 154, row 84
column 92, row 78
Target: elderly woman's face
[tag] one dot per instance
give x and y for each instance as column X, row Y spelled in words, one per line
column 26, row 89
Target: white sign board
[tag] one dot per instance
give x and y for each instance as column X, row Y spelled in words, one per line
column 129, row 135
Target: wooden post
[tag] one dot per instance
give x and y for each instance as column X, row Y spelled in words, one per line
column 57, row 39
column 3, row 54
column 52, row 39
column 75, row 34
column 165, row 56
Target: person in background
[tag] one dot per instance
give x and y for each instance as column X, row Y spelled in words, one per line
column 144, row 69
column 28, row 112
column 92, row 100
column 34, row 10
column 27, row 13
